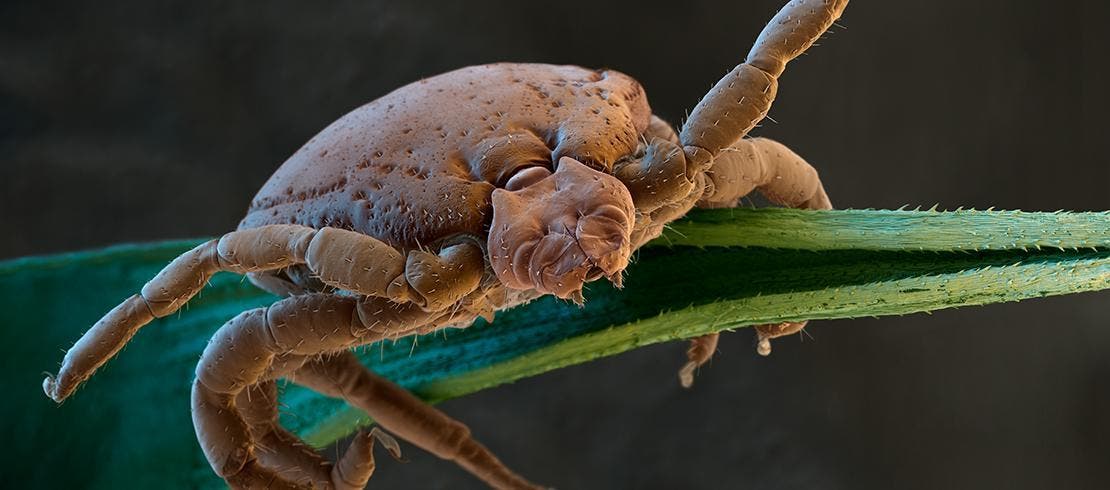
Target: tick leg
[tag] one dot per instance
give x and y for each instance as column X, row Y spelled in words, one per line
column 742, row 98
column 243, row 352
column 701, row 351
column 276, row 448
column 441, row 280
column 341, row 258
column 662, row 185
column 781, row 176
column 293, row 459
column 258, row 249
column 400, row 412
column 362, row 264
column 735, row 105
column 660, row 178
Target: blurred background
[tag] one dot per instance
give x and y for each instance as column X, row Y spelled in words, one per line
column 134, row 121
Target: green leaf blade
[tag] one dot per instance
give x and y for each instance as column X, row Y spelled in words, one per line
column 855, row 229
column 723, row 269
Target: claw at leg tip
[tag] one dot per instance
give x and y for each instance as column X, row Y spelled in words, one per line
column 578, row 298
column 388, row 442
column 617, row 280
column 764, row 347
column 50, row 387
column 686, row 374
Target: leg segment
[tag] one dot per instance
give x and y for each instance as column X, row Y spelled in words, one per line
column 725, row 115
column 293, row 459
column 782, row 176
column 657, row 176
column 729, row 111
column 441, row 280
column 662, row 185
column 343, row 376
column 701, row 351
column 276, row 448
column 341, row 258
column 785, row 179
column 661, row 177
column 742, row 98
column 243, row 351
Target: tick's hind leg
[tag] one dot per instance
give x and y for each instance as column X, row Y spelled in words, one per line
column 785, row 179
column 343, row 376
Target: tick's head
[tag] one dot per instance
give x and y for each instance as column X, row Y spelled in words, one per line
column 555, row 231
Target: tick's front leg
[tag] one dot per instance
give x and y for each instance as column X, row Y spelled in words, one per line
column 779, row 174
column 785, row 179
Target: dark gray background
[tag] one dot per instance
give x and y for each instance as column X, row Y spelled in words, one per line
column 127, row 121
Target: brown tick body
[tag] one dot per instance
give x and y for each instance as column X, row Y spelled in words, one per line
column 448, row 199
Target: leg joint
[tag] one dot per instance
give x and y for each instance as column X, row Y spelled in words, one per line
column 238, row 355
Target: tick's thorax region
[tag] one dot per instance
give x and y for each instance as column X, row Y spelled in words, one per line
column 445, row 200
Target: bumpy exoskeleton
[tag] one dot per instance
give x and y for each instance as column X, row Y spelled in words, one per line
column 448, row 199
